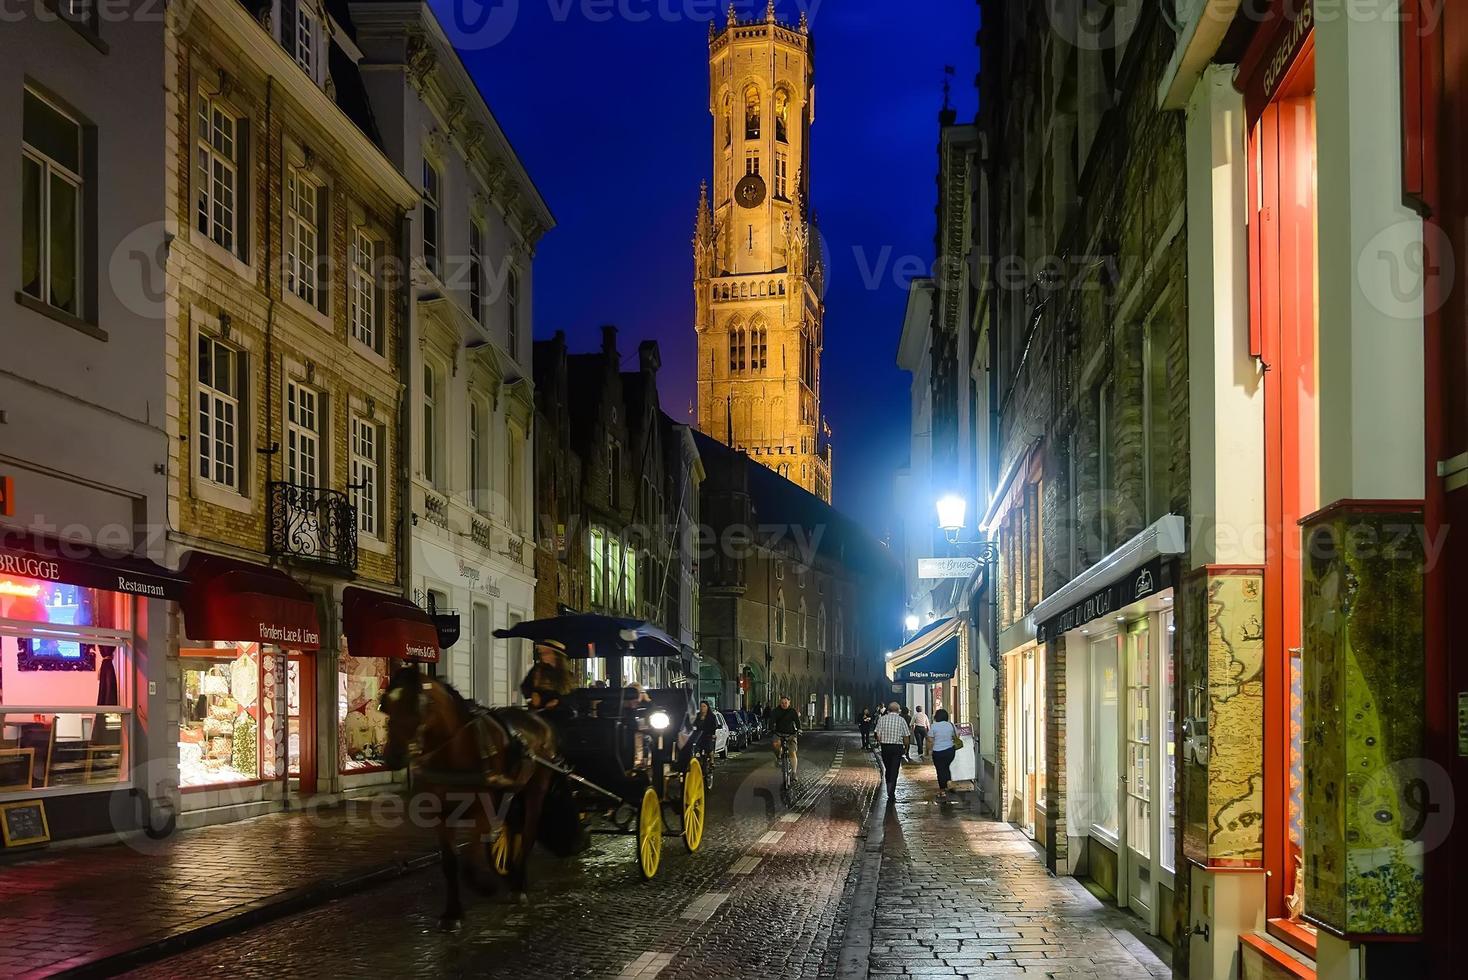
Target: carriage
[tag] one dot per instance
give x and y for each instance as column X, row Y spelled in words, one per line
column 629, row 764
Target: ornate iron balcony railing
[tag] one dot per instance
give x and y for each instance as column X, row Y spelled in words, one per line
column 313, row 524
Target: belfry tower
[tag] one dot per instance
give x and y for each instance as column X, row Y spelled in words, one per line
column 758, row 269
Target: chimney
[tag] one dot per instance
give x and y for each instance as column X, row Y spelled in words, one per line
column 609, row 340
column 648, row 357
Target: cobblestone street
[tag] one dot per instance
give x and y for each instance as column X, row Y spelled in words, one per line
column 841, row 885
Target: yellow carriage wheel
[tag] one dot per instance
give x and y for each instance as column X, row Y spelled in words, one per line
column 501, row 849
column 649, row 834
column 694, row 806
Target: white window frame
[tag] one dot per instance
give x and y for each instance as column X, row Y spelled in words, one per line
column 303, row 47
column 214, row 407
column 432, row 422
column 305, row 434
column 366, row 496
column 218, row 157
column 366, row 318
column 304, row 220
column 512, row 311
column 476, row 454
column 476, row 270
column 432, row 205
column 781, row 169
column 51, row 168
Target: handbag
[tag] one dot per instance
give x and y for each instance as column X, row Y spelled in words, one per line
column 957, row 739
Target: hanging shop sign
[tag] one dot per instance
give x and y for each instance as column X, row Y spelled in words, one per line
column 1147, row 580
column 448, row 627
column 930, row 568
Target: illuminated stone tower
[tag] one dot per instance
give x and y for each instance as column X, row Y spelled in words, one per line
column 759, row 272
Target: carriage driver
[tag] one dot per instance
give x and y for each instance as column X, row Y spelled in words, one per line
column 549, row 678
column 785, row 722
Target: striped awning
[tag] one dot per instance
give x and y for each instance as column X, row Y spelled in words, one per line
column 931, row 655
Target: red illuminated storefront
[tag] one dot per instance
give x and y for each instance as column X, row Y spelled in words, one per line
column 74, row 628
column 247, row 712
column 381, row 631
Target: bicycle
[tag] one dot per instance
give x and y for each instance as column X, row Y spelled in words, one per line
column 787, row 772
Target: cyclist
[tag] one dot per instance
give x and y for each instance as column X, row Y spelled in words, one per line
column 785, row 723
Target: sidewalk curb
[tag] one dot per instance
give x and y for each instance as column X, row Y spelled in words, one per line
column 854, row 961
column 118, row 959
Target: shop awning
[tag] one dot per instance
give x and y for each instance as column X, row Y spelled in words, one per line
column 1137, row 569
column 381, row 625
column 931, row 655
column 236, row 601
column 26, row 554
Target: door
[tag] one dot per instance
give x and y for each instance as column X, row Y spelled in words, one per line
column 300, row 732
column 1138, row 777
column 1027, row 739
column 483, row 684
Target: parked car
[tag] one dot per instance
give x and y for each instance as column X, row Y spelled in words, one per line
column 738, row 730
column 756, row 732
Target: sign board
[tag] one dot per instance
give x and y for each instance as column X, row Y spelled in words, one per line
column 1139, row 583
column 963, row 769
column 947, row 567
column 24, row 823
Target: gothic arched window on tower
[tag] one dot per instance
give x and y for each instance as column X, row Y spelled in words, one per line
column 764, row 360
column 734, row 348
column 751, row 113
column 728, row 121
column 782, row 116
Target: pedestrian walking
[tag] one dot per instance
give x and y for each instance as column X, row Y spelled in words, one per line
column 919, row 731
column 907, row 718
column 865, row 725
column 892, row 736
column 944, row 746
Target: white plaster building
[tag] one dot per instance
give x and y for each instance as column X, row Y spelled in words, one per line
column 470, row 390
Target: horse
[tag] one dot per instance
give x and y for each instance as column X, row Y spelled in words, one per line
column 470, row 778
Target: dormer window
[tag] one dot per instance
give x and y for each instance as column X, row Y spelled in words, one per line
column 299, row 27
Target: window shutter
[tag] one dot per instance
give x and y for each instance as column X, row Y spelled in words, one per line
column 288, row 27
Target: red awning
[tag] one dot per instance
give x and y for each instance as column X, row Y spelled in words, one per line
column 382, row 625
column 240, row 602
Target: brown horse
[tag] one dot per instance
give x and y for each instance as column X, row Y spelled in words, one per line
column 476, row 769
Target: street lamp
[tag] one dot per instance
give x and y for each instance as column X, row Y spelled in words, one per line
column 912, row 622
column 951, row 509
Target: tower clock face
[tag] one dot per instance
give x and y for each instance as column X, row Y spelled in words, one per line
column 750, row 191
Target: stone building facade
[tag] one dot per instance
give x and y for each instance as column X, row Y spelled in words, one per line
column 1084, row 339
column 284, row 406
column 613, row 479
column 470, row 252
column 796, row 599
column 758, row 275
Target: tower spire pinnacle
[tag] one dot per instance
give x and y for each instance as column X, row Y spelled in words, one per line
column 770, row 12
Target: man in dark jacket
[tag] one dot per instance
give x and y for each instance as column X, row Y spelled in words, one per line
column 785, row 725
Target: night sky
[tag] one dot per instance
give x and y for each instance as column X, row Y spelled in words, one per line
column 609, row 114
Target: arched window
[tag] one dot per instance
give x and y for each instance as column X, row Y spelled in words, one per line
column 803, row 632
column 728, row 120
column 840, row 634
column 782, row 116
column 751, row 113
column 734, row 348
column 772, row 289
column 821, row 628
column 780, row 616
column 782, row 289
column 764, row 353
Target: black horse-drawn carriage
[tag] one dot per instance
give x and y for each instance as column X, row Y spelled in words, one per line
column 625, row 752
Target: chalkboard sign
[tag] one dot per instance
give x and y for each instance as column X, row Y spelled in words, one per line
column 24, row 823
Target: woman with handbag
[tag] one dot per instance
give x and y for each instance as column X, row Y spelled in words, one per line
column 944, row 743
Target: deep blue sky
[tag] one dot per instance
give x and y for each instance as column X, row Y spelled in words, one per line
column 610, row 116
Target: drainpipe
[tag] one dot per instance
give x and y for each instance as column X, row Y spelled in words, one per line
column 404, row 419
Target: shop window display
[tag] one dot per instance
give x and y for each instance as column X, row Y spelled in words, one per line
column 361, row 725
column 65, row 695
column 220, row 716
